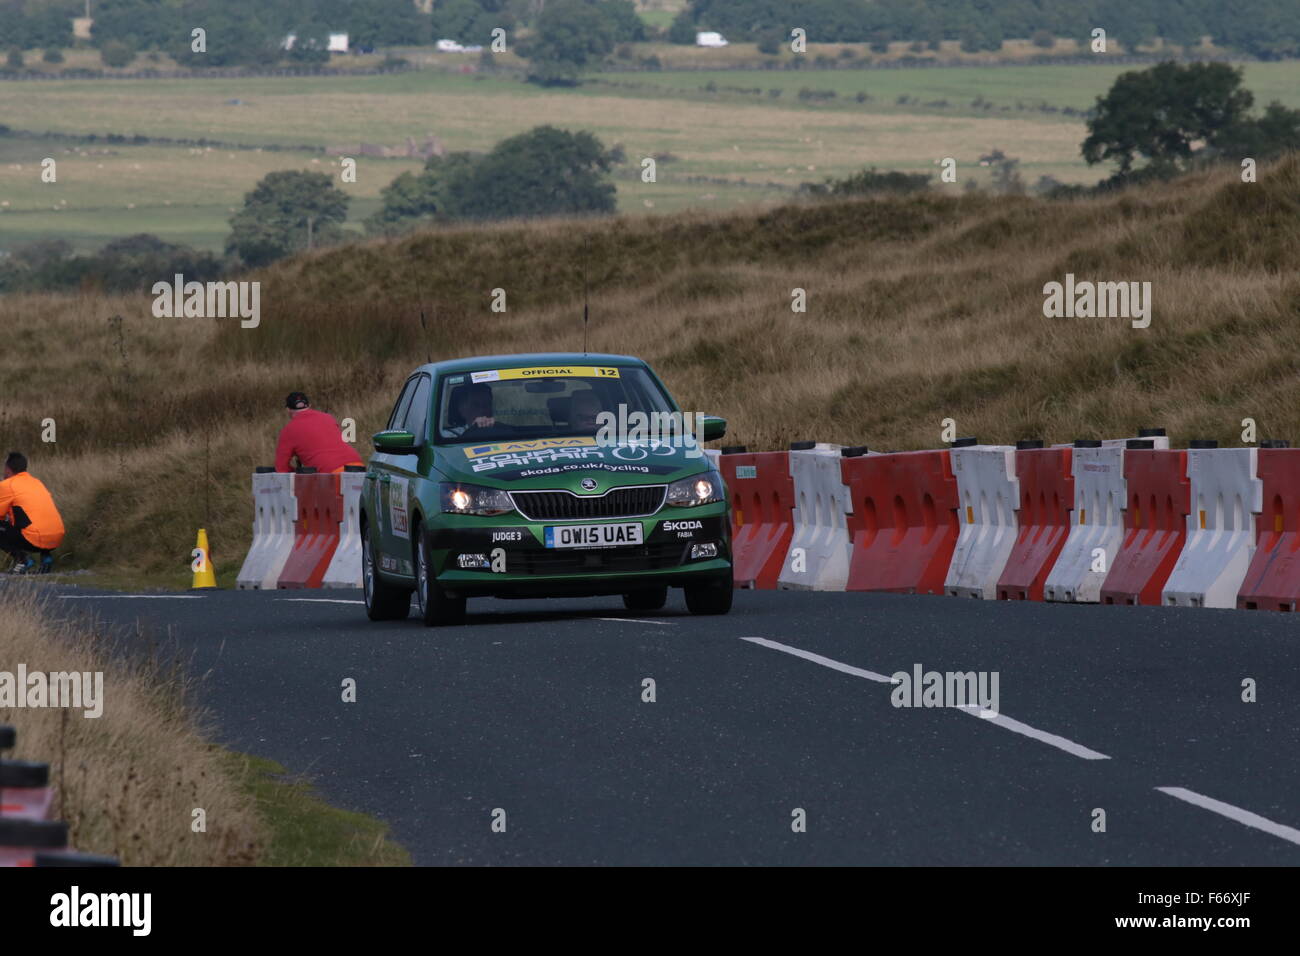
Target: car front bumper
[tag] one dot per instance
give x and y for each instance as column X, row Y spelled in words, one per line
column 509, row 558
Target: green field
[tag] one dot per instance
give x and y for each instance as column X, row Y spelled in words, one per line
column 725, row 149
column 1060, row 86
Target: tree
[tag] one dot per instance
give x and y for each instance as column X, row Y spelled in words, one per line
column 1006, row 177
column 234, row 35
column 866, row 182
column 282, row 212
column 460, row 20
column 1274, row 133
column 571, row 35
column 682, row 30
column 136, row 262
column 428, row 195
column 49, row 26
column 1263, row 28
column 769, row 43
column 1160, row 113
column 116, row 53
column 543, row 172
column 374, row 22
column 140, row 24
column 628, row 27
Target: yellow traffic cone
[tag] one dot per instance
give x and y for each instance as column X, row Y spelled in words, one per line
column 202, row 564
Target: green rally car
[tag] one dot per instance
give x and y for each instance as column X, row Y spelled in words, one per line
column 542, row 475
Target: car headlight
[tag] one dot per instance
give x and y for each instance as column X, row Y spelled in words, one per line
column 701, row 489
column 462, row 499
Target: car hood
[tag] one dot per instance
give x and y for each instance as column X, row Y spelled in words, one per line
column 565, row 462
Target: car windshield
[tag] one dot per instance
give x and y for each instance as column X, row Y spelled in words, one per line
column 540, row 402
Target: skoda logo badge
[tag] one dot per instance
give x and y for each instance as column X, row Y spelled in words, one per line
column 589, row 484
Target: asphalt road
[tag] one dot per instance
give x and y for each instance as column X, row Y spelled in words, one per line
column 536, row 708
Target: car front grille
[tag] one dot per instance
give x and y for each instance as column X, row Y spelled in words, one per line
column 634, row 502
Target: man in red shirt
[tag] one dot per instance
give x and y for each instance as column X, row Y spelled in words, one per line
column 314, row 437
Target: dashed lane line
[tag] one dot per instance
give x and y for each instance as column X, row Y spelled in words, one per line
column 1244, row 817
column 999, row 720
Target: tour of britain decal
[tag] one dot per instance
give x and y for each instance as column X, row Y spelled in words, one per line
column 644, row 458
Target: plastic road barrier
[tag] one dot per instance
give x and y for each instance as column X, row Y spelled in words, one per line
column 26, row 803
column 344, row 569
column 316, row 532
column 1046, row 503
column 988, row 494
column 1155, row 435
column 274, row 512
column 20, row 839
column 1155, row 524
column 1097, row 528
column 1226, row 496
column 903, row 522
column 1272, row 581
column 762, row 514
column 25, row 790
column 818, row 557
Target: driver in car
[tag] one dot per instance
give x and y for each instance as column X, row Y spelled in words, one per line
column 584, row 408
column 471, row 407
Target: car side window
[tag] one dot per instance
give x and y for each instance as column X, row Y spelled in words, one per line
column 417, row 415
column 403, row 403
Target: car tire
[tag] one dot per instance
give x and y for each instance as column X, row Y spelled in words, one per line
column 435, row 608
column 384, row 602
column 711, row 598
column 651, row 599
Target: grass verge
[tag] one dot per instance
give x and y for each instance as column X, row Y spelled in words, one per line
column 129, row 782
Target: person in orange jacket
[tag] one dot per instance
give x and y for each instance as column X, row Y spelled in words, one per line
column 28, row 519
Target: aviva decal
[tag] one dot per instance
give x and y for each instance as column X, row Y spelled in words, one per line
column 514, row 447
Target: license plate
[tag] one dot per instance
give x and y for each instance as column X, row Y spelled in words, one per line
column 593, row 535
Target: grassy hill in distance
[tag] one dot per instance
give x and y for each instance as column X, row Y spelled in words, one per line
column 918, row 309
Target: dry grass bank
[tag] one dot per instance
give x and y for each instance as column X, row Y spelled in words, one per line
column 919, row 309
column 128, row 781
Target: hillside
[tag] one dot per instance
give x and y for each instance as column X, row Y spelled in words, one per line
column 919, row 309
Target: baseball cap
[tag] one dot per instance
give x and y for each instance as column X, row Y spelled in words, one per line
column 296, row 400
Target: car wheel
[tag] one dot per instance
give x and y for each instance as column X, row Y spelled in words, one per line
column 649, row 600
column 711, row 598
column 435, row 607
column 383, row 601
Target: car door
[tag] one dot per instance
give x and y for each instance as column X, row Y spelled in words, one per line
column 399, row 484
column 380, row 479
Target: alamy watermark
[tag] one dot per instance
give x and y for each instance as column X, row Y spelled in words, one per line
column 79, row 690
column 208, row 300
column 1098, row 300
column 969, row 689
column 662, row 429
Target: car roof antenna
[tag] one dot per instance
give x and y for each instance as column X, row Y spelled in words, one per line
column 584, row 299
column 419, row 285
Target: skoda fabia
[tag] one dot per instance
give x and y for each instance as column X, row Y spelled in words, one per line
column 542, row 476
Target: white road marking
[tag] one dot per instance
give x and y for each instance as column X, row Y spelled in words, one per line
column 818, row 659
column 142, row 597
column 321, row 600
column 1015, row 726
column 1234, row 813
column 1001, row 720
column 636, row 620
